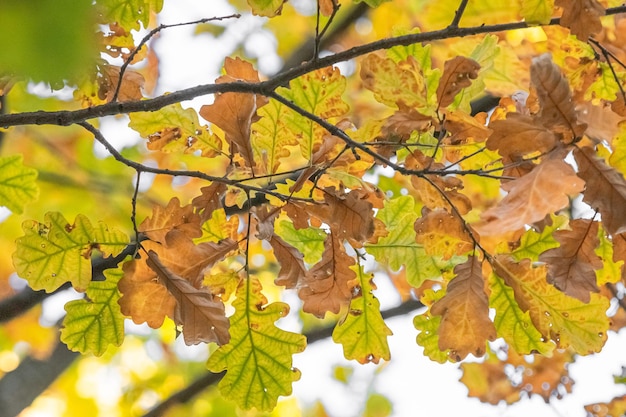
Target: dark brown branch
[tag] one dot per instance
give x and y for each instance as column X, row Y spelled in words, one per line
column 64, row 118
column 210, row 379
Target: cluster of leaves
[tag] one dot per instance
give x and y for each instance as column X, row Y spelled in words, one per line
column 508, row 226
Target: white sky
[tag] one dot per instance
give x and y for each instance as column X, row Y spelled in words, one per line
column 415, row 385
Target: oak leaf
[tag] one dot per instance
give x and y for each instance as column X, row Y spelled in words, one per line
column 171, row 217
column 567, row 321
column 605, row 190
column 267, row 8
column 234, row 113
column 458, row 73
column 442, row 234
column 582, row 17
column 327, row 286
column 130, row 89
column 209, row 200
column 292, row 270
column 572, row 265
column 615, row 407
column 546, row 189
column 202, row 316
column 258, row 358
column 548, row 376
column 557, row 108
column 465, row 325
column 402, row 123
column 489, row 382
column 18, row 185
column 362, row 331
column 427, row 325
column 145, row 297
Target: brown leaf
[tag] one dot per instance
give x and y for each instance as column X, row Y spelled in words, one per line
column 548, row 376
column 465, row 325
column 327, row 6
column 292, row 270
column 572, row 265
column 144, row 297
column 546, row 189
column 327, row 287
column 404, row 122
column 458, row 73
column 234, row 113
column 209, row 201
column 489, row 382
column 349, row 215
column 166, row 219
column 605, row 190
column 130, row 90
column 201, row 316
column 442, row 234
column 582, row 17
column 615, row 407
column 557, row 109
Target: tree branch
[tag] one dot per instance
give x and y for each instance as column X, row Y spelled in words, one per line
column 65, row 118
column 209, row 379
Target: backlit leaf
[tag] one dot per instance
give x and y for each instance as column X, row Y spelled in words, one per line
column 54, row 252
column 582, row 17
column 458, row 73
column 201, row 315
column 129, row 13
column 428, row 326
column 442, row 234
column 258, row 358
column 605, row 189
column 362, row 331
column 174, row 129
column 92, row 324
column 18, row 185
column 399, row 247
column 268, row 8
column 567, row 321
column 537, row 12
column 533, row 244
column 572, row 265
column 327, row 286
column 309, row 241
column 465, row 325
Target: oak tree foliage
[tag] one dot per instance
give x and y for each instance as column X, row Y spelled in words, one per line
column 368, row 158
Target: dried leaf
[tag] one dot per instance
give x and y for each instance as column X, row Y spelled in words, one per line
column 234, row 113
column 327, row 287
column 201, row 315
column 572, row 265
column 465, row 324
column 582, row 17
column 209, row 201
column 615, row 407
column 171, row 217
column 458, row 73
column 130, row 90
column 546, row 189
column 489, row 382
column 605, row 190
column 292, row 270
column 557, row 109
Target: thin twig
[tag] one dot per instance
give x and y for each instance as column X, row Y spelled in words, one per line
column 607, row 56
column 153, row 32
column 458, row 14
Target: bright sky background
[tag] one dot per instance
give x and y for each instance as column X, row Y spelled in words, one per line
column 414, row 384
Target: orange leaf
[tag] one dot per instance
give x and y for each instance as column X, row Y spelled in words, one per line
column 132, row 82
column 201, row 316
column 209, row 201
column 404, row 122
column 457, row 74
column 605, row 190
column 571, row 266
column 465, row 325
column 442, row 234
column 234, row 113
column 327, row 6
column 616, row 407
column 292, row 270
column 144, row 297
column 489, row 382
column 165, row 219
column 546, row 189
column 582, row 17
column 557, row 108
column 328, row 284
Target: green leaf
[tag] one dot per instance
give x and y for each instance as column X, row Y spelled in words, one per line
column 309, row 241
column 399, row 247
column 428, row 327
column 129, row 13
column 92, row 324
column 174, row 129
column 533, row 244
column 611, row 271
column 604, row 87
column 259, row 355
column 18, row 185
column 320, row 93
column 267, row 8
column 50, row 40
column 54, row 252
column 270, row 137
column 537, row 12
column 513, row 324
column 363, row 332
